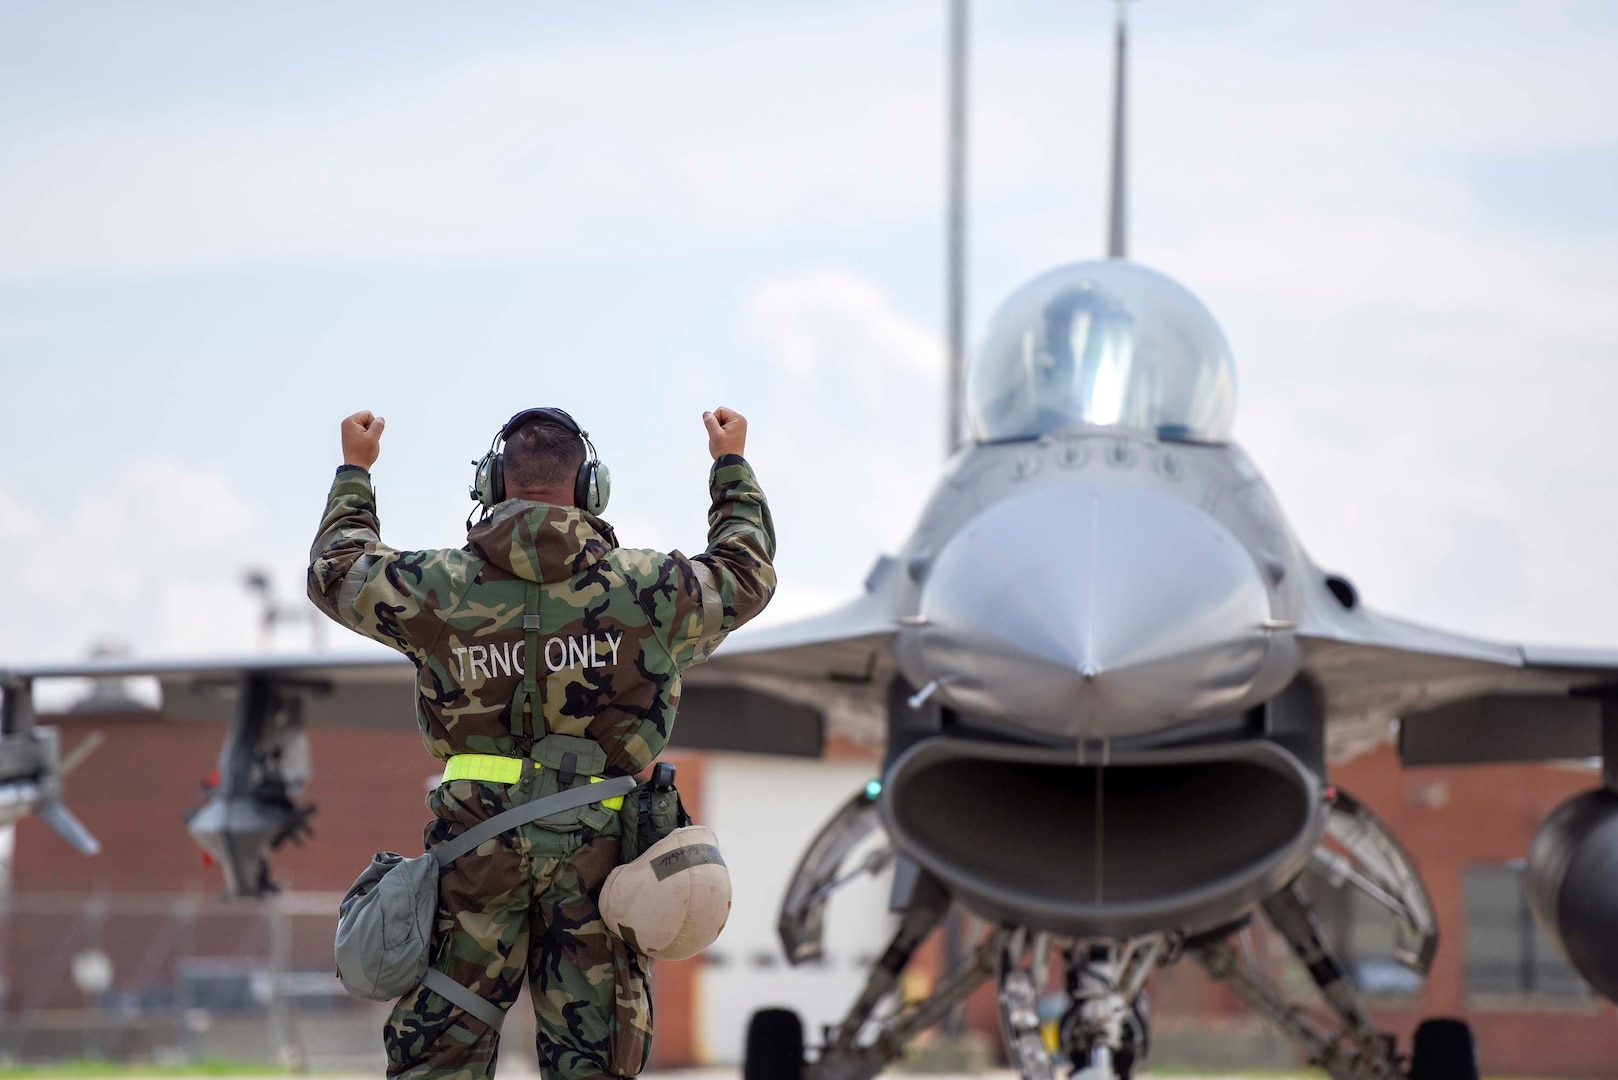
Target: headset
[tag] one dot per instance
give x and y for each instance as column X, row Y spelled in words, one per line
column 591, row 487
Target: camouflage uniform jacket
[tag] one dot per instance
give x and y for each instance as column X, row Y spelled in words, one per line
column 616, row 625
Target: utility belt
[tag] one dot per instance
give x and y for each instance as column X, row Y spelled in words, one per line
column 556, row 763
column 494, row 769
column 646, row 815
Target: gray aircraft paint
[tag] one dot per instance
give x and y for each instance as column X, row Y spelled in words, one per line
column 1096, row 585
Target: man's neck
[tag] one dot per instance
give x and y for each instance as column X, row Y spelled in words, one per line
column 553, row 496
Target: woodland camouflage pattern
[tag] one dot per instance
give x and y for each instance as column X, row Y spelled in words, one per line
column 526, row 902
column 458, row 612
column 616, row 628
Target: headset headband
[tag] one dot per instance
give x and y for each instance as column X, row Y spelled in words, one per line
column 559, row 417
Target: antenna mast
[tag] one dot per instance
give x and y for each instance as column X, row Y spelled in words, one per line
column 1118, row 216
column 955, row 224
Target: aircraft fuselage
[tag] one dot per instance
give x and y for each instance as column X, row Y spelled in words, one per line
column 1100, row 584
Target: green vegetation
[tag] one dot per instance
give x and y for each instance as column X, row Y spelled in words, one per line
column 91, row 1069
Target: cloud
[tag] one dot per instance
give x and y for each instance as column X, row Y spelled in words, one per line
column 855, row 412
column 150, row 558
column 834, row 320
column 555, row 148
column 848, row 428
column 1423, row 373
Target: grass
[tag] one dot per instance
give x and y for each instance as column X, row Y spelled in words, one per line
column 92, row 1069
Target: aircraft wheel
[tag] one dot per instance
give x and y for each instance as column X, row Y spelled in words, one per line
column 774, row 1046
column 1443, row 1050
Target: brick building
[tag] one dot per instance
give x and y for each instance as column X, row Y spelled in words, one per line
column 130, row 952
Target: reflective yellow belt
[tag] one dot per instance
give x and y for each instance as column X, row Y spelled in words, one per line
column 494, row 769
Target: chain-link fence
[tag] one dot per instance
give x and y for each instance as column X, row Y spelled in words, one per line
column 178, row 977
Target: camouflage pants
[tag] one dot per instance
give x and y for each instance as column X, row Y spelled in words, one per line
column 525, row 904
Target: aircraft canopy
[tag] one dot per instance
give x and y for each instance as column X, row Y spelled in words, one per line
column 1102, row 344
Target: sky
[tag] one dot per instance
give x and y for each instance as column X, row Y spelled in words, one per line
column 225, row 227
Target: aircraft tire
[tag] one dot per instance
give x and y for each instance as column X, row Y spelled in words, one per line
column 774, row 1046
column 1443, row 1050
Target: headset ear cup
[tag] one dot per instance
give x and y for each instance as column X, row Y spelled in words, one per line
column 497, row 480
column 600, row 490
column 483, row 481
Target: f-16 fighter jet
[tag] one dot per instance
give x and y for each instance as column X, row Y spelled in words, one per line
column 1109, row 681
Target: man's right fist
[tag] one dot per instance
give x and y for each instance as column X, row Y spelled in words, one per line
column 727, row 432
column 362, row 439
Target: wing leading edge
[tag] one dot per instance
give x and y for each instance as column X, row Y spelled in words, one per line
column 775, row 690
column 1458, row 699
column 838, row 664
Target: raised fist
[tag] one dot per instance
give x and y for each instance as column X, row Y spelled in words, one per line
column 362, row 439
column 727, row 432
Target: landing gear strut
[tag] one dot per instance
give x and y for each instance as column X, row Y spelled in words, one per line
column 1355, row 1050
column 1104, row 1026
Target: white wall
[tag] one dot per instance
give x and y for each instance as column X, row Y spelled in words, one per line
column 765, row 812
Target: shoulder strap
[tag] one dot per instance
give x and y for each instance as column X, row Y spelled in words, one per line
column 450, row 850
column 462, row 998
column 528, row 693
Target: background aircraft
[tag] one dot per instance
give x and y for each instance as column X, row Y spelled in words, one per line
column 1101, row 620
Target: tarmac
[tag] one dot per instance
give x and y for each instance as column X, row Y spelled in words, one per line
column 997, row 1074
column 735, row 1074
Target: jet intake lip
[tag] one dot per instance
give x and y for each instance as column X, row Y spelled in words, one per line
column 1189, row 837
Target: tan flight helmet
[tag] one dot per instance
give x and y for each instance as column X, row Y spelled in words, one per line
column 671, row 902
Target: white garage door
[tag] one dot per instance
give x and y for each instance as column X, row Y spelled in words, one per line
column 765, row 811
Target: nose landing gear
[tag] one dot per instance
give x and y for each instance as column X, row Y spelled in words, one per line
column 1102, row 1027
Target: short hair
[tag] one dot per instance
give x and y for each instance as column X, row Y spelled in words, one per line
column 542, row 454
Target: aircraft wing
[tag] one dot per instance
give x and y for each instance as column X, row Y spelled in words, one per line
column 771, row 691
column 837, row 666
column 775, row 690
column 372, row 689
column 1458, row 699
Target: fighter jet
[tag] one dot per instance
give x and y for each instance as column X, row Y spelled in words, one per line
column 1109, row 681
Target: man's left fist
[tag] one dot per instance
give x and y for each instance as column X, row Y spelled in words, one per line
column 362, row 439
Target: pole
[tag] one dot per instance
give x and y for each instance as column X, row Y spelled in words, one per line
column 955, row 224
column 1118, row 216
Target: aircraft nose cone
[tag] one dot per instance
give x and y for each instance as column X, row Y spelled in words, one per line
column 1098, row 613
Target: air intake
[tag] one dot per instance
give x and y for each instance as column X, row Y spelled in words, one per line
column 1168, row 839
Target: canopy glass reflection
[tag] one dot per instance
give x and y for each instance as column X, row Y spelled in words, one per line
column 1102, row 344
